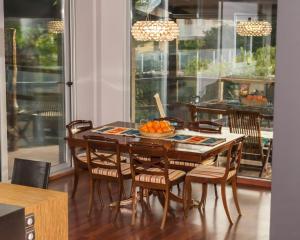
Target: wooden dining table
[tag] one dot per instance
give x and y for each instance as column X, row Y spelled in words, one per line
column 176, row 150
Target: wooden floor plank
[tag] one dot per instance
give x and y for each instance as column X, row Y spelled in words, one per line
column 254, row 224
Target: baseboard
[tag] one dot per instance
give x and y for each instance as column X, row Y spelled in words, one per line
column 59, row 175
column 254, row 182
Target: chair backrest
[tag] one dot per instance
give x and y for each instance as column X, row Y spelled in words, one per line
column 31, row 173
column 199, row 113
column 234, row 155
column 145, row 158
column 76, row 147
column 175, row 122
column 106, row 151
column 247, row 123
column 78, row 126
column 206, row 127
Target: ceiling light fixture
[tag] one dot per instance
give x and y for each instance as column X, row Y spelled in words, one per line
column 56, row 27
column 160, row 30
column 253, row 28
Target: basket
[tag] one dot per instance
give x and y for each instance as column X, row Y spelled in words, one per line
column 158, row 135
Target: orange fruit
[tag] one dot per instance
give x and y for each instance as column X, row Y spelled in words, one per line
column 159, row 130
column 155, row 124
column 144, row 128
column 163, row 124
column 151, row 130
column 165, row 129
column 149, row 124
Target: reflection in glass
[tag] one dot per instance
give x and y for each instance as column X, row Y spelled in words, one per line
column 209, row 64
column 34, row 81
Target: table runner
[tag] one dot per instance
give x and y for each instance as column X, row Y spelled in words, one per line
column 182, row 138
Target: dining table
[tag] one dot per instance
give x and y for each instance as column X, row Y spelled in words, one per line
column 175, row 149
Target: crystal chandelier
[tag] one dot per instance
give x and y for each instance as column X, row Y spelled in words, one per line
column 253, row 28
column 149, row 30
column 56, row 26
column 162, row 30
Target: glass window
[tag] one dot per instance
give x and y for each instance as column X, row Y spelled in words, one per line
column 210, row 64
column 35, row 80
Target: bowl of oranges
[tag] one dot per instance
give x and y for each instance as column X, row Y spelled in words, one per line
column 157, row 129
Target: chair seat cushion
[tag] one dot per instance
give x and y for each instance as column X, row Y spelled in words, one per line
column 210, row 161
column 173, row 176
column 125, row 169
column 184, row 163
column 211, row 172
column 83, row 158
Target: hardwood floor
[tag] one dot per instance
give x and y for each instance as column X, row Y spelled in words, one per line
column 254, row 224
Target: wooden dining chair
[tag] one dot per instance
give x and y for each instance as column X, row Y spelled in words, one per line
column 78, row 152
column 216, row 175
column 198, row 113
column 255, row 147
column 202, row 127
column 150, row 171
column 104, row 163
column 206, row 127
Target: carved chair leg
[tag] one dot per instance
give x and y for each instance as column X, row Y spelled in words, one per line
column 216, row 191
column 75, row 183
column 108, row 185
column 235, row 197
column 141, row 192
column 147, row 194
column 166, row 207
column 178, row 189
column 121, row 190
column 134, row 205
column 203, row 197
column 91, row 197
column 100, row 193
column 187, row 191
column 223, row 191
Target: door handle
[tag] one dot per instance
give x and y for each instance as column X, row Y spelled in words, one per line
column 69, row 84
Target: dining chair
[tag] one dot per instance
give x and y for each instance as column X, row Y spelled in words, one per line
column 216, row 175
column 31, row 173
column 206, row 127
column 203, row 127
column 198, row 113
column 150, row 171
column 104, row 164
column 255, row 147
column 78, row 153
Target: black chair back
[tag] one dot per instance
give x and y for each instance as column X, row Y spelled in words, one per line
column 31, row 173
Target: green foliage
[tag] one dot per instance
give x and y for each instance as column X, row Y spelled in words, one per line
column 245, row 56
column 47, row 47
column 35, row 46
column 191, row 44
column 195, row 66
column 265, row 61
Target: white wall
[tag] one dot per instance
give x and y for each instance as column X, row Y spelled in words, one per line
column 285, row 206
column 101, row 72
column 3, row 130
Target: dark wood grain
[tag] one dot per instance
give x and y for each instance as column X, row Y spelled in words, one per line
column 190, row 152
column 254, row 224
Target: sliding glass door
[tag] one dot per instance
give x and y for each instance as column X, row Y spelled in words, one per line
column 36, row 73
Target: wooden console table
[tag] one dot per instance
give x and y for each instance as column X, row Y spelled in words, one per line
column 50, row 209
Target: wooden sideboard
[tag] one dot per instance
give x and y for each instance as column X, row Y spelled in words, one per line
column 50, row 209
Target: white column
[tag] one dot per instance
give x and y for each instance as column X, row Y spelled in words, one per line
column 285, row 210
column 3, row 125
